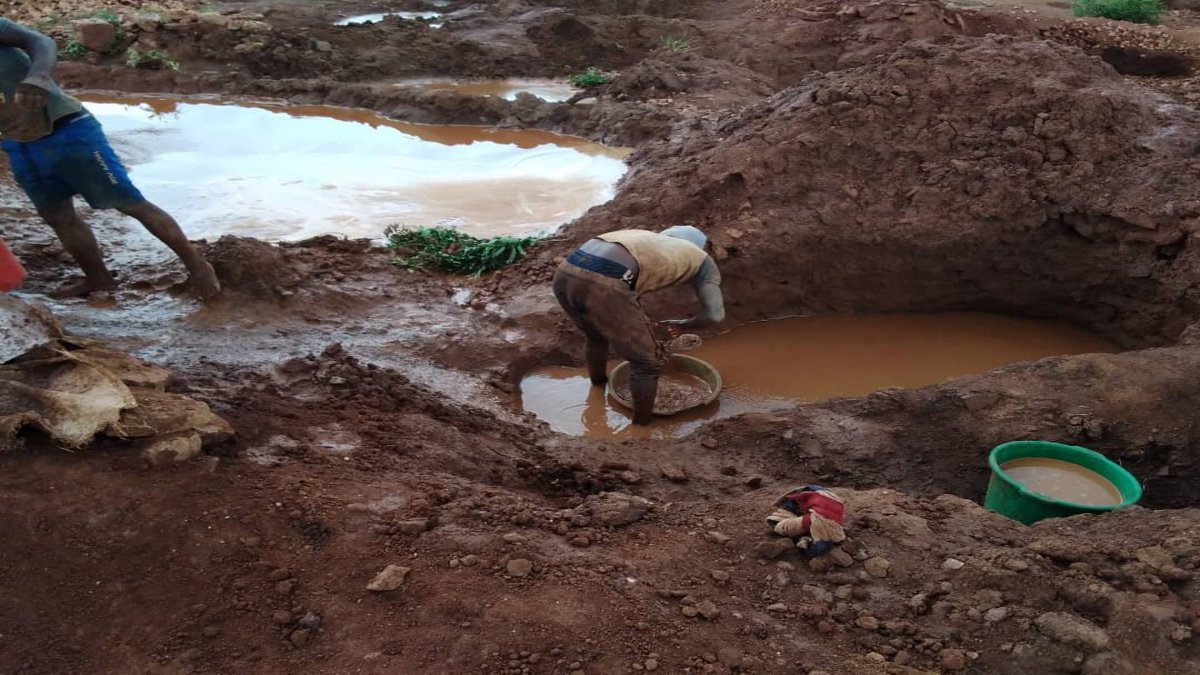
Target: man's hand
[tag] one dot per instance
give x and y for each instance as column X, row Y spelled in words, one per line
column 674, row 326
column 31, row 96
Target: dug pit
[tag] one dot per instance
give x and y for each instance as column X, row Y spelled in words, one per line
column 773, row 365
column 284, row 173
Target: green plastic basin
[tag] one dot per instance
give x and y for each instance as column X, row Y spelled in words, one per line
column 1009, row 498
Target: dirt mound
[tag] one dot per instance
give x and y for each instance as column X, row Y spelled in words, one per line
column 253, row 266
column 987, row 173
column 669, row 75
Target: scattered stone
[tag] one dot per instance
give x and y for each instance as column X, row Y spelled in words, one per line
column 674, row 473
column 147, row 22
column 1072, row 630
column 322, row 46
column 689, row 611
column 299, row 637
column 708, row 610
column 710, row 443
column 953, row 565
column 631, row 477
column 614, row 509
column 469, row 560
column 97, row 35
column 877, row 567
column 840, row 557
column 310, row 621
column 773, row 548
column 285, row 587
column 778, row 607
column 718, row 538
column 867, row 622
column 996, row 615
column 411, row 527
column 580, row 541
column 720, row 575
column 518, row 567
column 876, row 657
column 1016, row 565
column 651, row 664
column 172, row 449
column 954, row 660
column 391, row 578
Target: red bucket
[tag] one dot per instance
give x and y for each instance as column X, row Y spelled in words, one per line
column 11, row 272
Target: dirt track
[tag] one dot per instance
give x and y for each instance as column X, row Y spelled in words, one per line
column 845, row 157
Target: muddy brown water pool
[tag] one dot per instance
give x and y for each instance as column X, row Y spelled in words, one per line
column 1063, row 480
column 777, row 364
column 280, row 172
column 545, row 89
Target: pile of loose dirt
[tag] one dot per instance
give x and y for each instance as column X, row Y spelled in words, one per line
column 670, row 75
column 946, row 175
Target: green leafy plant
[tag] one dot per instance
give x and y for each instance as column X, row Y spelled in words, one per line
column 1135, row 11
column 151, row 59
column 589, row 78
column 677, row 44
column 448, row 250
column 108, row 15
column 73, row 50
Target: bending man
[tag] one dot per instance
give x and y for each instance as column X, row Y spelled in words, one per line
column 600, row 285
column 58, row 150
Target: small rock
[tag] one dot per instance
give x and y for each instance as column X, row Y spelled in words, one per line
column 391, row 578
column 282, row 618
column 285, row 587
column 299, row 637
column 631, row 477
column 710, row 443
column 876, row 657
column 954, row 659
column 708, row 610
column 172, row 449
column 840, row 557
column 411, row 527
column 469, row 560
column 281, row 574
column 1016, row 565
column 719, row 575
column 614, row 509
column 953, row 565
column 96, row 35
column 675, row 474
column 877, row 567
column 651, row 664
column 322, row 46
column 1072, row 630
column 580, row 541
column 147, row 22
column 689, row 611
column 867, row 622
column 718, row 538
column 778, row 607
column 310, row 621
column 773, row 548
column 996, row 615
column 518, row 567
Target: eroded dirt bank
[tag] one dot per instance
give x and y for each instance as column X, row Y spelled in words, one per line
column 839, row 167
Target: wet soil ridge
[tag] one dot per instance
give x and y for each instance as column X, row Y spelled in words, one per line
column 991, row 173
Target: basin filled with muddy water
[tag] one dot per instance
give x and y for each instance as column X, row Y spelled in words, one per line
column 777, row 364
column 282, row 172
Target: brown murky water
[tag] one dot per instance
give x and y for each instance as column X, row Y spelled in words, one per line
column 547, row 90
column 776, row 364
column 283, row 172
column 1063, row 480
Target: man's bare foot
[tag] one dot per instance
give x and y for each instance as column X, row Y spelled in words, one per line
column 78, row 289
column 204, row 281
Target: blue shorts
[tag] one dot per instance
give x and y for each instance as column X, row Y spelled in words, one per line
column 75, row 159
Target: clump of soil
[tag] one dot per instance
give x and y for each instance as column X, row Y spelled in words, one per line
column 253, row 266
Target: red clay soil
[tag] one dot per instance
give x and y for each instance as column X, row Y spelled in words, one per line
column 963, row 172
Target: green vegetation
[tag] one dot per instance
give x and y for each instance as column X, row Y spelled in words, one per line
column 108, row 15
column 677, row 44
column 448, row 250
column 72, row 51
column 1136, row 11
column 151, row 59
column 589, row 78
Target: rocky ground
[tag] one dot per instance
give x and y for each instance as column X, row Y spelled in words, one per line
column 383, row 505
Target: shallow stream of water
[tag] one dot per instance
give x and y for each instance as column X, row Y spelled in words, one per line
column 366, row 19
column 280, row 172
column 776, row 364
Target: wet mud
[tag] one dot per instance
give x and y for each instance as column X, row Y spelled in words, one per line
column 846, row 158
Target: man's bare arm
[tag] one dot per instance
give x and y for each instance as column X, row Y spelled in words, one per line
column 43, row 55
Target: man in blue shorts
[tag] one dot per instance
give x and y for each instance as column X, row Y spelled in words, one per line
column 57, row 150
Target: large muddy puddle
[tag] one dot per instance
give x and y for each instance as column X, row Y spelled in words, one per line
column 280, row 172
column 367, row 19
column 777, row 364
column 546, row 89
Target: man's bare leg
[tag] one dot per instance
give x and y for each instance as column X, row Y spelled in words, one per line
column 162, row 225
column 77, row 238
